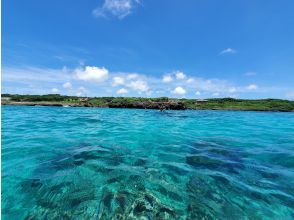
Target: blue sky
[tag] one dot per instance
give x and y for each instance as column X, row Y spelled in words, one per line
column 149, row 48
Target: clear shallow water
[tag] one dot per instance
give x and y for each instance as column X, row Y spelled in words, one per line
column 89, row 163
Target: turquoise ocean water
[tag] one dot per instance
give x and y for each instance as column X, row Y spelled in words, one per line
column 91, row 163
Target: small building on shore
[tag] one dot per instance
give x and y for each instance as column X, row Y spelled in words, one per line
column 83, row 101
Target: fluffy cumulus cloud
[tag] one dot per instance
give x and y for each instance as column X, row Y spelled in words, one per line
column 228, row 51
column 116, row 8
column 179, row 91
column 167, row 78
column 252, row 87
column 139, row 85
column 122, row 91
column 67, row 85
column 92, row 74
column 118, row 80
column 180, row 75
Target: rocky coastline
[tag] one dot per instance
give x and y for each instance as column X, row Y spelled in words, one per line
column 133, row 105
column 161, row 103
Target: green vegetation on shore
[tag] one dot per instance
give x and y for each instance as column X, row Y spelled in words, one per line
column 169, row 103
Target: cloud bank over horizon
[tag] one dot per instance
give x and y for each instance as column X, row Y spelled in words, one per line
column 99, row 81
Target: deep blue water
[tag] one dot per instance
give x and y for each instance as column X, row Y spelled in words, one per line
column 89, row 163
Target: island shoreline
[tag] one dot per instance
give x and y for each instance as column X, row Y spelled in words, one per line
column 160, row 103
column 85, row 106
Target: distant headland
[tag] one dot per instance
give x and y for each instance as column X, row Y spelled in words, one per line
column 162, row 103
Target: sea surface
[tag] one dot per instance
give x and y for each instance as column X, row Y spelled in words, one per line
column 99, row 163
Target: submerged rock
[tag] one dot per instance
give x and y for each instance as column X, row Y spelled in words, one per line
column 201, row 160
column 198, row 211
column 55, row 199
column 133, row 205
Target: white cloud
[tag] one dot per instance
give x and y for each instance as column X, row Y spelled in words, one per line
column 177, row 74
column 228, row 51
column 116, row 8
column 190, row 80
column 92, row 74
column 252, row 87
column 122, row 91
column 180, row 75
column 132, row 75
column 139, row 85
column 197, row 93
column 250, row 73
column 215, row 94
column 67, row 85
column 167, row 78
column 179, row 91
column 55, row 90
column 117, row 80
